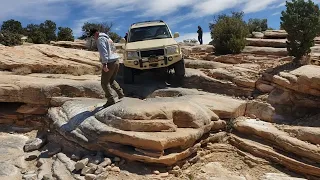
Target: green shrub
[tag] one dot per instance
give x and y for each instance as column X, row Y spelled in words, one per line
column 65, row 34
column 229, row 33
column 257, row 25
column 301, row 20
column 10, row 39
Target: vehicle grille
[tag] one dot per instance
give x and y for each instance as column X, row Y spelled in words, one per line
column 156, row 52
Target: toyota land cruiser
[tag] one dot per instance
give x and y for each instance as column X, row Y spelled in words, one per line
column 150, row 45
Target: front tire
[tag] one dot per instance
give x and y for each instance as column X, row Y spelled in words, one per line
column 179, row 69
column 128, row 75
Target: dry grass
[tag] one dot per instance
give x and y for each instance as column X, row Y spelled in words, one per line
column 22, row 71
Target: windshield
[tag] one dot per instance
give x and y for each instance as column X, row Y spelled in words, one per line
column 149, row 32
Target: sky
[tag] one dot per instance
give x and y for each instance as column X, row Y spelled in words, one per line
column 182, row 16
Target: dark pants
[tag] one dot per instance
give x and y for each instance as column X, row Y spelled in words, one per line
column 200, row 39
column 108, row 81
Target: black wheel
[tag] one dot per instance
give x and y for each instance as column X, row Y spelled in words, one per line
column 128, row 75
column 179, row 69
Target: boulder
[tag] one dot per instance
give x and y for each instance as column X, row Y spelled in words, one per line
column 297, row 88
column 275, row 34
column 85, row 123
column 34, row 144
column 276, row 43
column 257, row 35
column 310, row 134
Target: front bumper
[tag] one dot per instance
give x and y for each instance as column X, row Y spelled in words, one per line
column 145, row 64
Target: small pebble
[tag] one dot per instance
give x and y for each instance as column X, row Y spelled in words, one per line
column 156, row 172
column 176, row 168
column 90, row 177
column 40, row 162
column 108, row 168
column 115, row 169
column 112, row 165
column 164, row 175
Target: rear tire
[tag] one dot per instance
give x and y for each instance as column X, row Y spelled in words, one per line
column 128, row 75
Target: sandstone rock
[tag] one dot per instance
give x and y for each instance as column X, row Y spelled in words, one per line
column 201, row 64
column 39, row 91
column 49, row 59
column 278, row 176
column 60, row 171
column 221, row 81
column 265, row 51
column 192, row 119
column 278, row 138
column 77, row 44
column 88, row 170
column 275, row 34
column 265, row 88
column 115, row 169
column 269, row 153
column 44, row 170
column 69, row 164
column 215, row 170
column 263, row 111
column 305, row 79
column 310, row 134
column 106, row 162
column 258, row 35
column 30, row 176
column 202, row 48
column 276, row 43
column 47, row 177
column 81, row 164
column 90, row 177
column 9, row 171
column 99, row 171
column 34, row 144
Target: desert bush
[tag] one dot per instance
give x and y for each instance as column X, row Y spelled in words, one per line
column 65, row 34
column 12, row 26
column 229, row 33
column 301, row 20
column 10, row 39
column 257, row 25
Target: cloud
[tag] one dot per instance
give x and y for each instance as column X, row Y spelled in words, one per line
column 34, row 9
column 184, row 36
column 276, row 13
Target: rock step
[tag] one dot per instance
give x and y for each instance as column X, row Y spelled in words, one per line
column 269, row 153
column 276, row 43
column 265, row 51
column 310, row 134
column 278, row 138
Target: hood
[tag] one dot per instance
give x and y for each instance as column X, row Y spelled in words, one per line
column 150, row 44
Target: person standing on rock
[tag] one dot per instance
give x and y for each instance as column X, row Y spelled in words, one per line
column 110, row 66
column 200, row 33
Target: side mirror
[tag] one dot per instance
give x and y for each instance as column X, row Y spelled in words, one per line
column 176, row 35
column 122, row 41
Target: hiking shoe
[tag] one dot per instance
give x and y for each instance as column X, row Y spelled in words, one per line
column 109, row 103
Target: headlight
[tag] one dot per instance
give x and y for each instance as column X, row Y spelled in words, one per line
column 172, row 50
column 132, row 55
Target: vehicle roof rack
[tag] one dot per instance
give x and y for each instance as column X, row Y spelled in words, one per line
column 147, row 22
